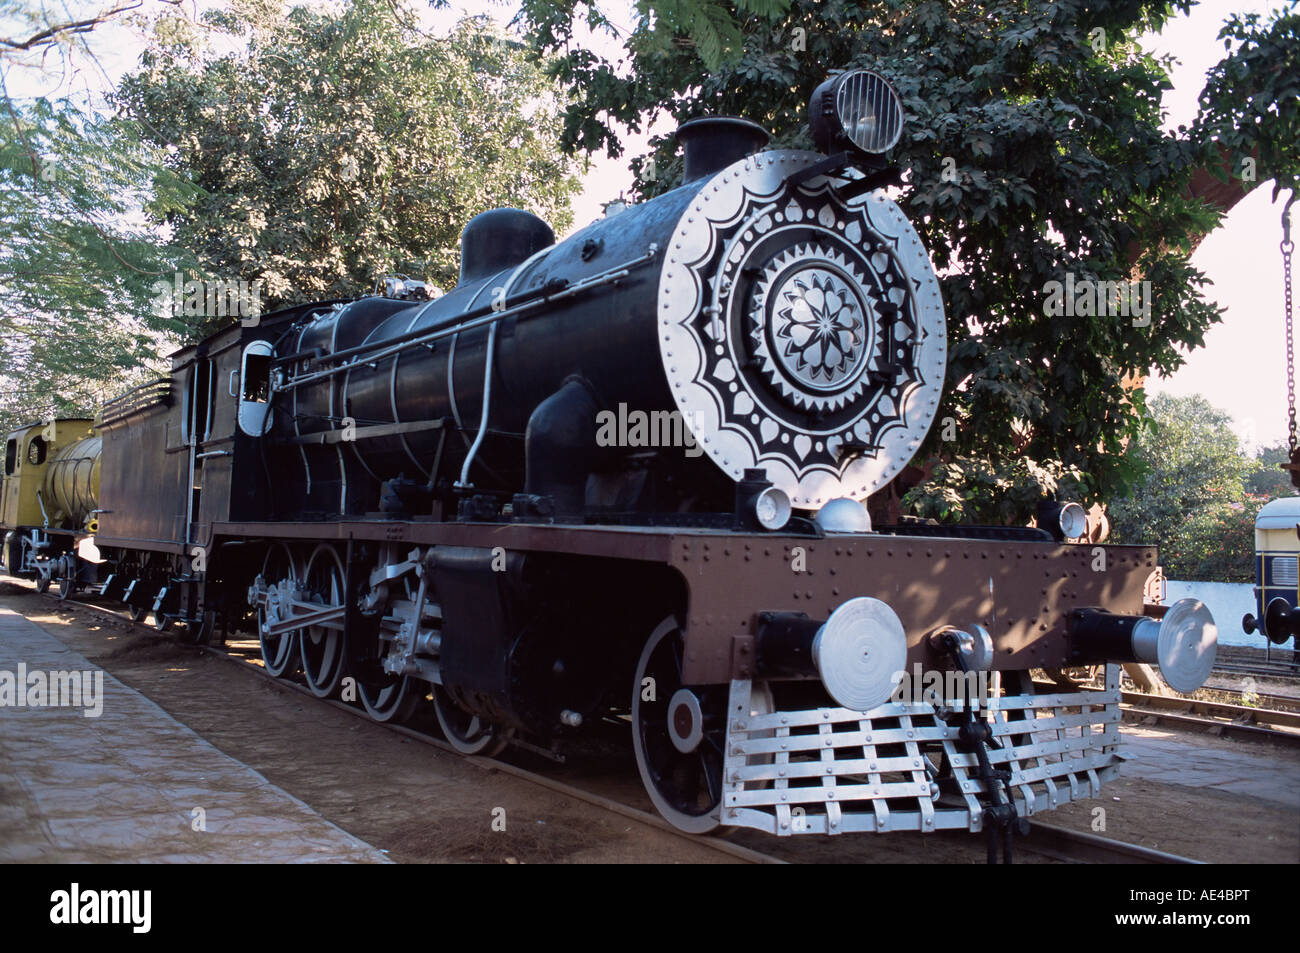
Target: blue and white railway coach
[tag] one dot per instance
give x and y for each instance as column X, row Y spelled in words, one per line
column 1277, row 571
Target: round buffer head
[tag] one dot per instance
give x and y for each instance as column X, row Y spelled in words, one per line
column 1187, row 645
column 861, row 653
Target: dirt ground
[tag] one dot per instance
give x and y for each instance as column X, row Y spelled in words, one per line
column 421, row 804
column 413, row 801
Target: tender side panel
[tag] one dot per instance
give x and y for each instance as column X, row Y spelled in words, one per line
column 143, row 476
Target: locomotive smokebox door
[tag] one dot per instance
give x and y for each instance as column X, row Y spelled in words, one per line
column 801, row 332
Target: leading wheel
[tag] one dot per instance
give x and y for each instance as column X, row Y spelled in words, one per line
column 679, row 733
column 467, row 733
column 66, row 568
column 323, row 656
column 280, row 653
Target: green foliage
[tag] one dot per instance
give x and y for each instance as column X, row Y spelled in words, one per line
column 972, row 490
column 1046, row 117
column 1216, row 544
column 1265, row 477
column 1191, row 498
column 338, row 146
column 1190, row 458
column 76, row 261
column 1250, row 106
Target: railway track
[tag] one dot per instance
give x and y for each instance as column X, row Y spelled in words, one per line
column 1053, row 844
column 1277, row 718
column 1276, row 670
column 1236, row 720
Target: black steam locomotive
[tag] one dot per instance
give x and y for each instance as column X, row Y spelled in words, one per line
column 625, row 478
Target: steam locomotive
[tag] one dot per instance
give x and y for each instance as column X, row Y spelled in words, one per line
column 625, row 478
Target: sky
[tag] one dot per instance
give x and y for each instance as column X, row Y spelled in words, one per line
column 1241, row 368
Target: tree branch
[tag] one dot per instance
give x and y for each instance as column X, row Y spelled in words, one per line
column 53, row 33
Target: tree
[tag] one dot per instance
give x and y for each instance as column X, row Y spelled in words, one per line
column 1216, row 544
column 76, row 264
column 335, row 147
column 1189, row 458
column 1191, row 497
column 1033, row 151
column 1265, row 476
column 38, row 31
column 77, row 256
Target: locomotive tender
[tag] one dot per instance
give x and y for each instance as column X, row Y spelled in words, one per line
column 419, row 496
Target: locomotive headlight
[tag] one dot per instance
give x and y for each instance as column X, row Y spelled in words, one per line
column 1072, row 520
column 772, row 508
column 759, row 504
column 857, row 108
column 1063, row 520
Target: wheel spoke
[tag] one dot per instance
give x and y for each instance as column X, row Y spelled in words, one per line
column 712, row 778
column 680, row 784
column 280, row 653
column 323, row 661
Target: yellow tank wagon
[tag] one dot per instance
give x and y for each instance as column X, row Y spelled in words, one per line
column 49, row 501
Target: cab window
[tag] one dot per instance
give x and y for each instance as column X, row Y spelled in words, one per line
column 196, row 415
column 254, row 415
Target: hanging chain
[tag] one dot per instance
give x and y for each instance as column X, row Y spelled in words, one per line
column 1287, row 247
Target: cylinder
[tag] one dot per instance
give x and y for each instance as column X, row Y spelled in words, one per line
column 711, row 144
column 748, row 319
column 71, row 488
column 785, row 644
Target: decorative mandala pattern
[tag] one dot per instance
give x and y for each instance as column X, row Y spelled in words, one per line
column 811, row 328
column 801, row 333
column 820, row 332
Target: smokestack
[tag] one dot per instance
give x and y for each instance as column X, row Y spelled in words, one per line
column 711, row 144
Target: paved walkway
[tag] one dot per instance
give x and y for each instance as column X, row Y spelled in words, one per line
column 1175, row 761
column 132, row 784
